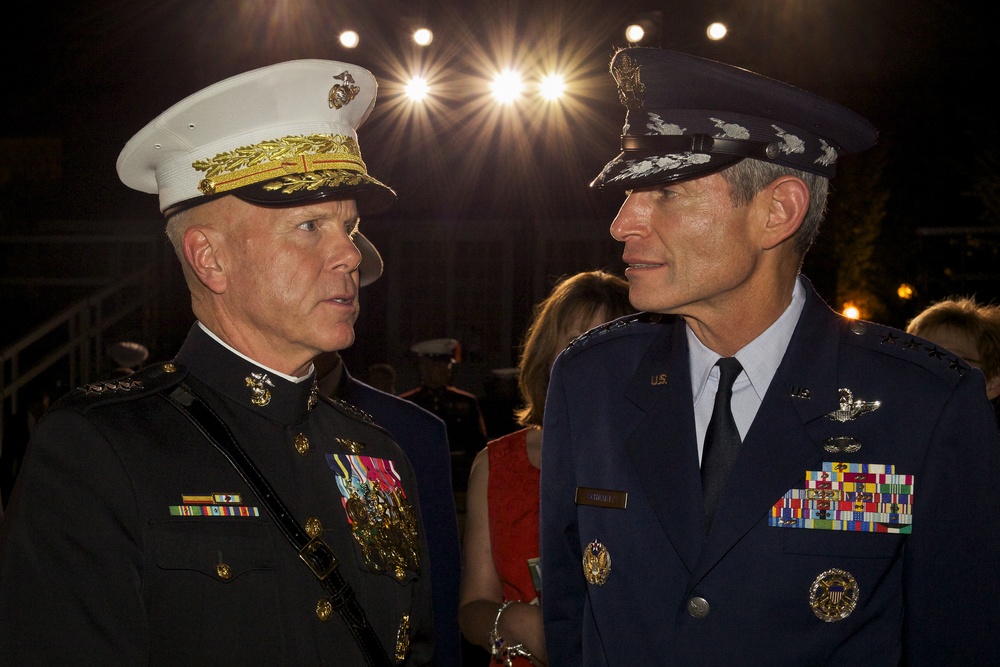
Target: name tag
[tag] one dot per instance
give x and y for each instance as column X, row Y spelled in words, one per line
column 616, row 500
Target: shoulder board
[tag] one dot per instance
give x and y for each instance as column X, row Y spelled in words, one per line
column 629, row 324
column 144, row 382
column 918, row 351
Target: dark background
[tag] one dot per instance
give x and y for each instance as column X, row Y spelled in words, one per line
column 82, row 77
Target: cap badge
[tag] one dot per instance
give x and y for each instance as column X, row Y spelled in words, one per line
column 834, row 595
column 596, row 563
column 258, row 383
column 342, row 93
column 631, row 91
column 851, row 409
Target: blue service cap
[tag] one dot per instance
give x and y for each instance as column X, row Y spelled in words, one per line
column 688, row 117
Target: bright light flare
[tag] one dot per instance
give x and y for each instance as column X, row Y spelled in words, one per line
column 552, row 87
column 417, row 89
column 634, row 33
column 349, row 39
column 716, row 31
column 423, row 36
column 851, row 311
column 507, row 86
column 905, row 291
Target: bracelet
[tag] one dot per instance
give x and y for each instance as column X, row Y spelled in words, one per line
column 496, row 641
column 515, row 651
column 499, row 652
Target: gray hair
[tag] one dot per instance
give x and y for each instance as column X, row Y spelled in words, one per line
column 748, row 177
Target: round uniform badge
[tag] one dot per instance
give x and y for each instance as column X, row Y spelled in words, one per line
column 834, row 595
column 596, row 563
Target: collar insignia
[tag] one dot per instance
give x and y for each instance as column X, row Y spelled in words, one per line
column 258, row 383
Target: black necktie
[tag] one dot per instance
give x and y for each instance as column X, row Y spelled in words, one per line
column 722, row 439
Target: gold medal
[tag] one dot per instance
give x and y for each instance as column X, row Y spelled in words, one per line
column 596, row 563
column 834, row 595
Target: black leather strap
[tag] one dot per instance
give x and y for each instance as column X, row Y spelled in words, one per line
column 314, row 552
column 699, row 143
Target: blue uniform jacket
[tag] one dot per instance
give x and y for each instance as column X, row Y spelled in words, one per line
column 423, row 437
column 619, row 418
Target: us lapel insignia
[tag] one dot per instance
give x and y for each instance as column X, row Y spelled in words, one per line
column 798, row 392
column 834, row 595
column 259, row 383
column 657, row 380
column 842, row 444
column 596, row 563
column 850, row 409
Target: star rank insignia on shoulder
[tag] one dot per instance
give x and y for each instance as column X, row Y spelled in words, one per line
column 622, row 325
column 149, row 380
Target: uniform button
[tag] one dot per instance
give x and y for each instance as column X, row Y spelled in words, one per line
column 301, row 444
column 223, row 571
column 324, row 610
column 698, row 607
column 313, row 527
column 858, row 328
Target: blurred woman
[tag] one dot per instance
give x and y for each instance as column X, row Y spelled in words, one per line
column 501, row 583
column 969, row 330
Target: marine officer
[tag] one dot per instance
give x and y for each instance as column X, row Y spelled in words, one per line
column 216, row 509
column 740, row 476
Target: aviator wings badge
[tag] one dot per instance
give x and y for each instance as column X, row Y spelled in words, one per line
column 850, row 409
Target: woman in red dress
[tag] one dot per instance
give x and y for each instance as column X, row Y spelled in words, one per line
column 501, row 577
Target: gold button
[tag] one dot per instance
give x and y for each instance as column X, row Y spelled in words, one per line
column 301, row 444
column 324, row 610
column 223, row 571
column 169, row 368
column 313, row 527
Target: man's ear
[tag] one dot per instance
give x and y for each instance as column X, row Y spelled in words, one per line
column 202, row 247
column 788, row 202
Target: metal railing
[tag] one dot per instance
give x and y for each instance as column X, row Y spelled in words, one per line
column 75, row 336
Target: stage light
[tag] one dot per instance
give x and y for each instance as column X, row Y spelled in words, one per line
column 717, row 31
column 634, row 33
column 851, row 311
column 552, row 87
column 349, row 39
column 417, row 89
column 423, row 36
column 507, row 86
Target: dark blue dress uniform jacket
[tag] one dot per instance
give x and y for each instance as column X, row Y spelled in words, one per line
column 423, row 437
column 95, row 568
column 619, row 417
